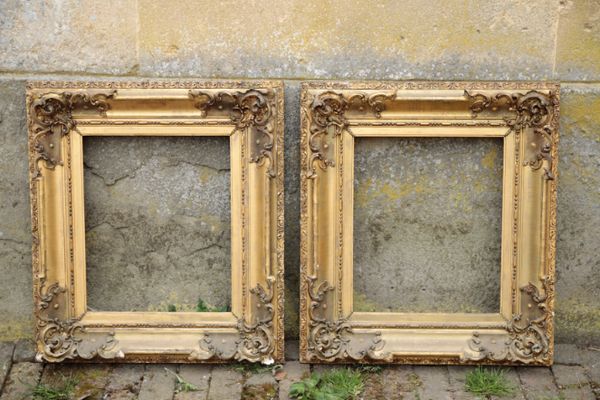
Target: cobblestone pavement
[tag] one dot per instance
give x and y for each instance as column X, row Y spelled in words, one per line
column 575, row 375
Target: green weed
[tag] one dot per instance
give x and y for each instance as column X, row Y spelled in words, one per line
column 338, row 384
column 488, row 382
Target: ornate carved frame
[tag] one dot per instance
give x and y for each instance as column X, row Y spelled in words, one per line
column 525, row 115
column 250, row 113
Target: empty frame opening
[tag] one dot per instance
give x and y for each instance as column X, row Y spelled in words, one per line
column 427, row 224
column 158, row 223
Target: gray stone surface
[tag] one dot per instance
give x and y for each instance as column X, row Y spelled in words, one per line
column 6, row 352
column 512, row 377
column 22, row 379
column 225, row 383
column 427, row 216
column 88, row 382
column 292, row 350
column 157, row 384
column 294, row 372
column 400, row 382
column 577, row 256
column 158, row 223
column 125, row 381
column 259, row 379
column 578, row 40
column 457, row 378
column 356, row 40
column 15, row 229
column 292, row 208
column 24, row 350
column 537, row 383
column 197, row 375
column 573, row 382
column 434, row 382
column 69, row 36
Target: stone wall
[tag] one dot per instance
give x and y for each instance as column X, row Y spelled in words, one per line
column 293, row 40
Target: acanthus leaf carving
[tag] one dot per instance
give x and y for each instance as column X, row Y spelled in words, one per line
column 51, row 118
column 532, row 110
column 61, row 338
column 327, row 113
column 253, row 341
column 251, row 111
column 528, row 340
column 331, row 340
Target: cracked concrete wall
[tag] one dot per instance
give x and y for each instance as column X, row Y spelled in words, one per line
column 157, row 223
column 419, row 247
column 141, row 39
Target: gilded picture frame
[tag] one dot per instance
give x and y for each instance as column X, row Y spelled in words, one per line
column 525, row 116
column 250, row 114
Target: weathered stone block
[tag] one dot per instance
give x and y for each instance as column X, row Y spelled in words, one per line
column 350, row 40
column 158, row 223
column 578, row 260
column 16, row 309
column 427, row 216
column 68, row 36
column 578, row 40
column 225, row 384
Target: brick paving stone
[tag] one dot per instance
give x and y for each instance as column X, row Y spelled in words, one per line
column 158, row 383
column 537, row 382
column 89, row 380
column 373, row 386
column 292, row 349
column 399, row 382
column 197, row 375
column 124, row 382
column 260, row 386
column 457, row 377
column 6, row 353
column 436, row 385
column 573, row 382
column 24, row 351
column 225, row 383
column 294, row 372
column 513, row 379
column 22, row 379
column 571, row 354
column 262, row 378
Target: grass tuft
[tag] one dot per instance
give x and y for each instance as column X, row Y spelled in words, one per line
column 338, row 384
column 488, row 382
column 44, row 392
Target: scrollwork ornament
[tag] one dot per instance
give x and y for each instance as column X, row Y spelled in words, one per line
column 328, row 120
column 67, row 339
column 334, row 340
column 251, row 111
column 51, row 118
column 253, row 342
column 532, row 110
column 528, row 340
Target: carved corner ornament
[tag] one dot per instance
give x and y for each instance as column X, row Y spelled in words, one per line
column 528, row 339
column 51, row 118
column 533, row 110
column 59, row 339
column 251, row 110
column 327, row 113
column 332, row 340
column 254, row 341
